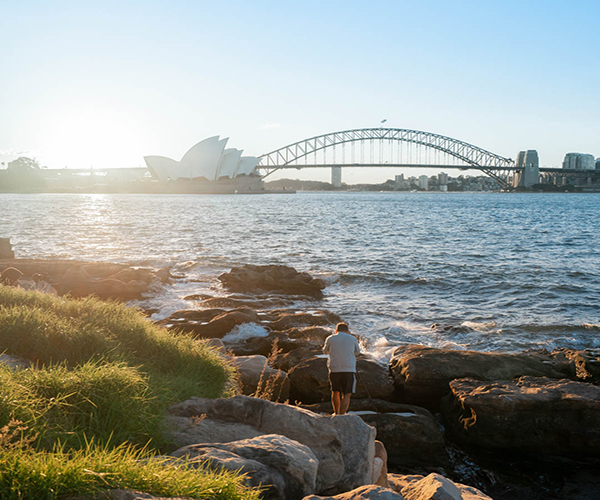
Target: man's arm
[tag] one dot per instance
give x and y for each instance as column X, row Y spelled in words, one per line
column 326, row 346
column 356, row 348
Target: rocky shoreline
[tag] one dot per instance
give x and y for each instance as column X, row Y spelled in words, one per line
column 523, row 425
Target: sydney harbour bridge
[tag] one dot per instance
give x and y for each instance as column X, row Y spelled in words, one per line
column 391, row 147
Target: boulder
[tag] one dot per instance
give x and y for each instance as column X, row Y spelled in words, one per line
column 10, row 276
column 587, row 363
column 422, row 374
column 6, row 251
column 288, row 467
column 380, row 471
column 370, row 492
column 283, row 279
column 309, row 380
column 184, row 431
column 358, row 450
column 433, row 487
column 111, row 288
column 532, row 414
column 212, row 323
column 265, row 417
column 259, row 379
column 37, row 286
column 411, row 437
column 287, row 360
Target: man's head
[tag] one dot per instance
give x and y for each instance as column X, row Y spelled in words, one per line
column 341, row 327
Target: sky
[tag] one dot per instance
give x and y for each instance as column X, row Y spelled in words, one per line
column 103, row 84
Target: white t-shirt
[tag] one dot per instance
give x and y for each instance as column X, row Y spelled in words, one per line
column 342, row 349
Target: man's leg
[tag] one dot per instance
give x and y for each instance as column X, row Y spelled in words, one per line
column 345, row 403
column 335, row 401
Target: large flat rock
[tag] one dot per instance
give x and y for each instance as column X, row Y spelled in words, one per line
column 531, row 414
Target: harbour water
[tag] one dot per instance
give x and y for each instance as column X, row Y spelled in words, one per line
column 493, row 271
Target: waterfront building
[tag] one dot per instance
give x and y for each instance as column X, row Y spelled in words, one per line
column 208, row 167
column 579, row 161
column 529, row 162
column 597, row 163
column 424, row 182
column 336, row 177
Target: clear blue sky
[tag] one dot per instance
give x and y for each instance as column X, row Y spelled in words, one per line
column 106, row 83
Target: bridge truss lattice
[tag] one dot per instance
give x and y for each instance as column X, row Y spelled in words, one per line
column 313, row 152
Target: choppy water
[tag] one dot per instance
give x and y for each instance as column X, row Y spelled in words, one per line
column 504, row 271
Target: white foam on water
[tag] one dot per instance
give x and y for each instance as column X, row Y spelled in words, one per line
column 479, row 326
column 245, row 331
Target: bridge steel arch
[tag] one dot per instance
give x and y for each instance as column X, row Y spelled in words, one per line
column 475, row 157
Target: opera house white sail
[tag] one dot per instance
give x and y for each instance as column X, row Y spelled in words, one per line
column 208, row 159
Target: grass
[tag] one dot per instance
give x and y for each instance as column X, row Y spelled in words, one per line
column 87, row 471
column 102, row 379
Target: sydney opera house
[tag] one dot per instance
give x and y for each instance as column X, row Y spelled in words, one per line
column 208, row 168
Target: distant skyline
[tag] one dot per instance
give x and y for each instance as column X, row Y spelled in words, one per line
column 104, row 84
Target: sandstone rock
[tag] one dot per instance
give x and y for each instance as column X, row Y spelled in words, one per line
column 258, row 377
column 367, row 405
column 422, row 374
column 6, row 251
column 37, row 286
column 309, row 380
column 411, row 437
column 216, row 344
column 535, row 414
column 358, row 450
column 111, row 288
column 380, row 471
column 370, row 492
column 212, row 323
column 587, row 363
column 10, row 276
column 266, row 417
column 434, row 487
column 288, row 360
column 290, row 467
column 284, row 279
column 193, row 429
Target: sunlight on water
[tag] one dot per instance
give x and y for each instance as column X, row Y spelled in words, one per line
column 491, row 271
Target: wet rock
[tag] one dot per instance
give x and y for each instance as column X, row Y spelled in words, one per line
column 283, row 279
column 587, row 363
column 422, row 374
column 211, row 323
column 258, row 378
column 233, row 302
column 309, row 381
column 198, row 297
column 531, row 414
column 288, row 360
column 266, row 417
column 287, row 466
column 6, row 251
column 411, row 437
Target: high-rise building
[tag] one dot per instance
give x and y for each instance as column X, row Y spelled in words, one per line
column 442, row 179
column 336, row 177
column 579, row 161
column 597, row 163
column 529, row 162
column 424, row 182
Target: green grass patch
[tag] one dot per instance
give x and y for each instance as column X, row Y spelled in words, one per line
column 103, row 371
column 61, row 474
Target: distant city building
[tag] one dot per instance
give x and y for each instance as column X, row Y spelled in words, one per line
column 529, row 162
column 336, row 177
column 442, row 179
column 579, row 161
column 597, row 163
column 424, row 182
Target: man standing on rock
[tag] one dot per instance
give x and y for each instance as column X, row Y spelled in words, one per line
column 342, row 349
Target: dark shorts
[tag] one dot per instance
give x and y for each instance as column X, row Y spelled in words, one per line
column 344, row 382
